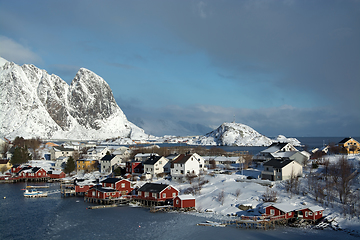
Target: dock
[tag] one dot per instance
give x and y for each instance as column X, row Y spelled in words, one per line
column 165, row 208
column 103, row 206
column 108, row 201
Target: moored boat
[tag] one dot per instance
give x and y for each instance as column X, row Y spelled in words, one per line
column 33, row 192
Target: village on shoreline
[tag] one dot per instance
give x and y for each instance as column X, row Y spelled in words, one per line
column 278, row 185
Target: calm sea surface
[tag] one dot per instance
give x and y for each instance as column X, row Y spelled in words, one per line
column 68, row 218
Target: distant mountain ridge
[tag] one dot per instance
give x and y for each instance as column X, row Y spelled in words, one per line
column 36, row 104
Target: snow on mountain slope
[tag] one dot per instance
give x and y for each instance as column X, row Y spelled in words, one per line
column 234, row 134
column 36, row 104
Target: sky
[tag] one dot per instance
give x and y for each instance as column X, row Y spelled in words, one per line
column 289, row 67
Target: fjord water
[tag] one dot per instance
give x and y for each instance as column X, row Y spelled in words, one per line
column 54, row 217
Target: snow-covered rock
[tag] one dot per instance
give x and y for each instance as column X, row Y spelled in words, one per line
column 283, row 139
column 36, row 104
column 234, row 134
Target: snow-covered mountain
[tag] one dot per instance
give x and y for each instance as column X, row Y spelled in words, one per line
column 234, row 134
column 36, row 104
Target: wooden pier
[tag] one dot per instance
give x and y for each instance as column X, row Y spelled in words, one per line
column 108, row 201
column 258, row 222
column 67, row 189
column 165, row 208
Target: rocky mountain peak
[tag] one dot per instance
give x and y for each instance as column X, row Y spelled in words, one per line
column 45, row 106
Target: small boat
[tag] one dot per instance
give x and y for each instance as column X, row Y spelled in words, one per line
column 30, row 192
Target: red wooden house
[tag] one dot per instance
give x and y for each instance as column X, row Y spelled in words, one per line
column 310, row 213
column 134, row 167
column 32, row 173
column 288, row 211
column 56, row 174
column 17, row 168
column 82, row 186
column 284, row 210
column 184, row 201
column 99, row 192
column 121, row 185
column 157, row 192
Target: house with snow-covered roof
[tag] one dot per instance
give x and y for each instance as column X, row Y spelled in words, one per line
column 60, row 162
column 275, row 170
column 297, row 156
column 274, row 148
column 155, row 165
column 281, row 209
column 97, row 152
column 155, row 193
column 99, row 192
column 122, row 185
column 187, row 164
column 223, row 160
column 184, row 201
column 349, row 146
column 59, row 151
column 141, row 157
column 108, row 162
column 287, row 210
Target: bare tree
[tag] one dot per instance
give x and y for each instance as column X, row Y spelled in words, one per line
column 212, row 163
column 342, row 174
column 247, row 160
column 189, row 177
column 269, row 195
column 5, row 148
column 221, row 197
column 237, row 192
column 292, row 185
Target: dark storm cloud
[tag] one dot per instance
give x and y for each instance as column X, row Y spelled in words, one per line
column 310, row 45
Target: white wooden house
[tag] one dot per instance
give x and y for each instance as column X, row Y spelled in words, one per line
column 280, row 169
column 155, row 165
column 187, row 164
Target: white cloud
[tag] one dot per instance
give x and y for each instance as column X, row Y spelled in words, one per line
column 201, row 9
column 15, row 52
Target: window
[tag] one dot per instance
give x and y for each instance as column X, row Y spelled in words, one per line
column 93, row 193
column 174, row 194
column 164, row 195
column 154, row 195
column 177, row 201
column 272, row 211
column 310, row 213
column 123, row 185
column 306, row 213
column 146, row 194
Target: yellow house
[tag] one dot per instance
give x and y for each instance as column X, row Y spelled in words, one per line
column 87, row 165
column 5, row 165
column 349, row 145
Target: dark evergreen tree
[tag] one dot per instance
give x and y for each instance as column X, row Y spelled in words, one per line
column 70, row 165
column 20, row 156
